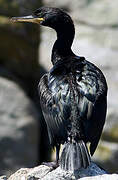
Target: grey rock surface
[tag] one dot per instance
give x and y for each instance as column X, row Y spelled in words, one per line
column 18, row 128
column 46, row 173
column 96, row 39
column 3, row 177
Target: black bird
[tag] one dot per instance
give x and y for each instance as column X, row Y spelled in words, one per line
column 73, row 94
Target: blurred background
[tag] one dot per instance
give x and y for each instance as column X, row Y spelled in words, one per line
column 25, row 51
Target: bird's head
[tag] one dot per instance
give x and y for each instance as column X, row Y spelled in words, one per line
column 52, row 17
column 61, row 22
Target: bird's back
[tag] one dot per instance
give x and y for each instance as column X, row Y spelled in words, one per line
column 74, row 86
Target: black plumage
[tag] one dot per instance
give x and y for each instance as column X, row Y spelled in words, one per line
column 73, row 94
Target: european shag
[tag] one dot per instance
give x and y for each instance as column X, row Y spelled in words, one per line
column 73, row 94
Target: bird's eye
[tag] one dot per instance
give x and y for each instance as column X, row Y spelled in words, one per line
column 37, row 12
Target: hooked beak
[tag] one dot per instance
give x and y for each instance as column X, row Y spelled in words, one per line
column 31, row 18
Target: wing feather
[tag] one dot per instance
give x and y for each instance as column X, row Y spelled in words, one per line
column 52, row 112
column 94, row 90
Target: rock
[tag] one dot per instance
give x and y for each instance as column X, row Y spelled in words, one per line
column 3, row 178
column 18, row 51
column 96, row 38
column 19, row 131
column 20, row 110
column 46, row 173
column 19, row 47
column 19, row 63
column 102, row 177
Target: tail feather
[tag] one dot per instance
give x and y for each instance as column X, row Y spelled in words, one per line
column 85, row 154
column 74, row 156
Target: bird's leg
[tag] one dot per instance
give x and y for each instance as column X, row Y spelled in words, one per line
column 57, row 154
column 55, row 164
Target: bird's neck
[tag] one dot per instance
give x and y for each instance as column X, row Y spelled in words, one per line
column 62, row 46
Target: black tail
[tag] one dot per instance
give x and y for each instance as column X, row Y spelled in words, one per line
column 75, row 156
